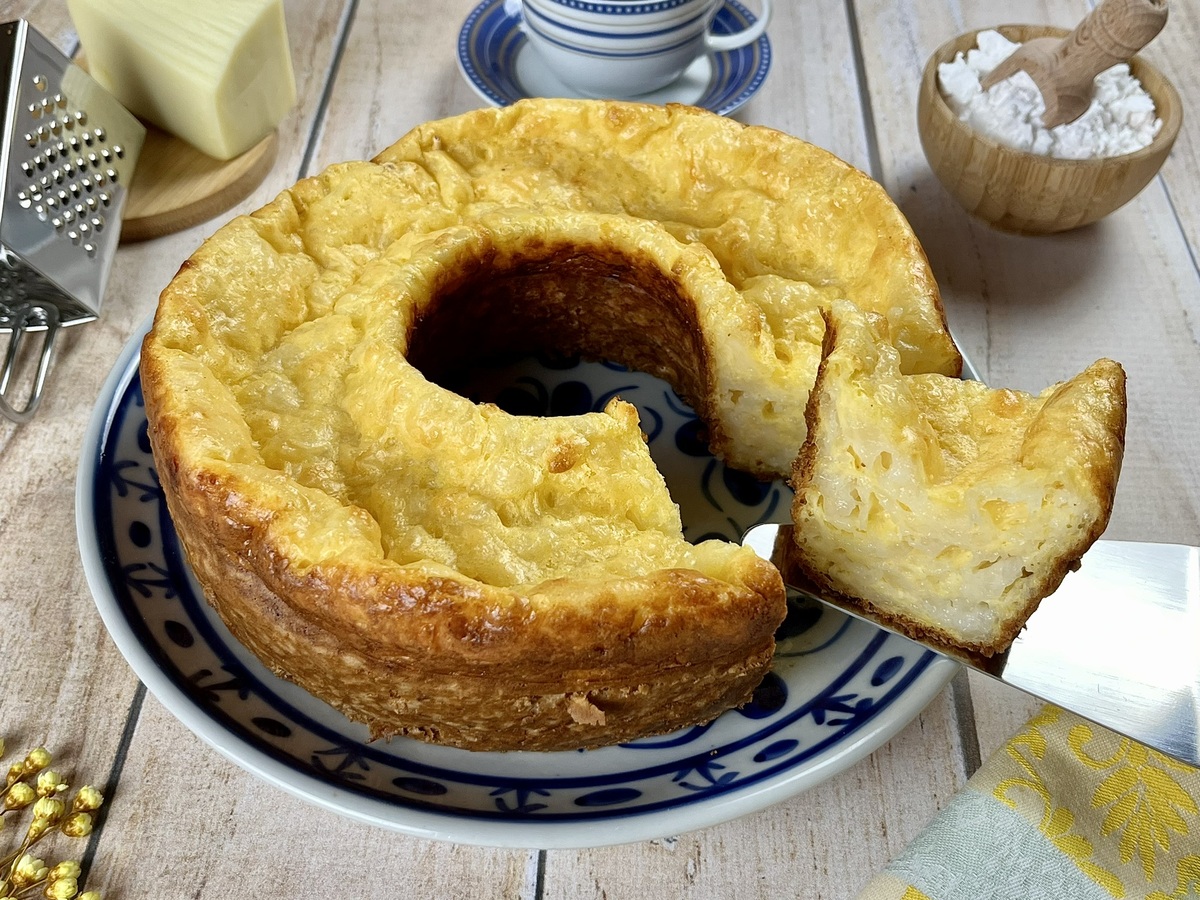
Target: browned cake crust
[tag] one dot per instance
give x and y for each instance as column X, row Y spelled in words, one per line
column 440, row 569
column 476, row 667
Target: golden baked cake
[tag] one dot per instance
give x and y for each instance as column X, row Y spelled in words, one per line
column 945, row 507
column 439, row 568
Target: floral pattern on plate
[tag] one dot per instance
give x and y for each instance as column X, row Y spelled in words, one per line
column 838, row 688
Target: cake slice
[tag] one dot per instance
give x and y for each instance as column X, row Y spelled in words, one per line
column 944, row 507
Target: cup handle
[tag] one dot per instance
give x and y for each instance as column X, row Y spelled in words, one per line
column 720, row 42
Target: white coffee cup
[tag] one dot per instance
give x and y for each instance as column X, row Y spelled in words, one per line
column 624, row 48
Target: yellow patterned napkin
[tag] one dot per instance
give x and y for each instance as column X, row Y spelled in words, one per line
column 1065, row 809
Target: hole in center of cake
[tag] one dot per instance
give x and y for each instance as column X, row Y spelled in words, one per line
column 511, row 332
column 559, row 303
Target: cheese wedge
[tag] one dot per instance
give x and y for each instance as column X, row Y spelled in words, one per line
column 217, row 75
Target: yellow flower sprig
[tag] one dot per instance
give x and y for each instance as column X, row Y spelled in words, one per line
column 32, row 784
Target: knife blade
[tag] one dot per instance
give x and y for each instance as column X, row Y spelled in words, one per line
column 1118, row 643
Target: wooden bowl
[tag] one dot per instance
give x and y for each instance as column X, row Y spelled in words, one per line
column 1028, row 193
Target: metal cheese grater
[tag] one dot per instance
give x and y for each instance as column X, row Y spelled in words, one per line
column 67, row 154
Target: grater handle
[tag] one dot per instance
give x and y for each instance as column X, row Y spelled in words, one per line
column 23, row 317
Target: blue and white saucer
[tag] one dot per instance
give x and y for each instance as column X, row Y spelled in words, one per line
column 495, row 58
column 839, row 688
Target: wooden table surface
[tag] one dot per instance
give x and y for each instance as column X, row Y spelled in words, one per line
column 184, row 822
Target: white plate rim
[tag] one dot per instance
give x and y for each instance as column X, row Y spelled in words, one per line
column 453, row 827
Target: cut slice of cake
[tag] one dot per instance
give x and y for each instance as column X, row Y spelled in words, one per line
column 944, row 507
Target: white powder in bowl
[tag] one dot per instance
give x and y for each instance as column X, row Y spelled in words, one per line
column 1120, row 119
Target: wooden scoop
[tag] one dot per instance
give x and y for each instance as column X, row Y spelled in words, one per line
column 1065, row 70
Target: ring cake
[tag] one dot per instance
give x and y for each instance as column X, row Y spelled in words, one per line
column 441, row 569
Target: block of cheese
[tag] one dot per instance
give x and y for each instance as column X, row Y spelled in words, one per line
column 217, row 75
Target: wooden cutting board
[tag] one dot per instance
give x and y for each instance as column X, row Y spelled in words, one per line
column 176, row 186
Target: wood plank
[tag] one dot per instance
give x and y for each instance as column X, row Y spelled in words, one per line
column 812, row 90
column 397, row 72
column 833, row 837
column 1032, row 311
column 1125, row 288
column 186, row 822
column 52, row 638
column 1000, row 712
column 239, row 813
column 48, row 16
column 1174, row 53
column 826, row 842
column 67, row 687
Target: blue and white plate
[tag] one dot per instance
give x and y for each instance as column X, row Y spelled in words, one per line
column 495, row 58
column 839, row 688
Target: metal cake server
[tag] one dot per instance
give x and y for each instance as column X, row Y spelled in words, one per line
column 1118, row 643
